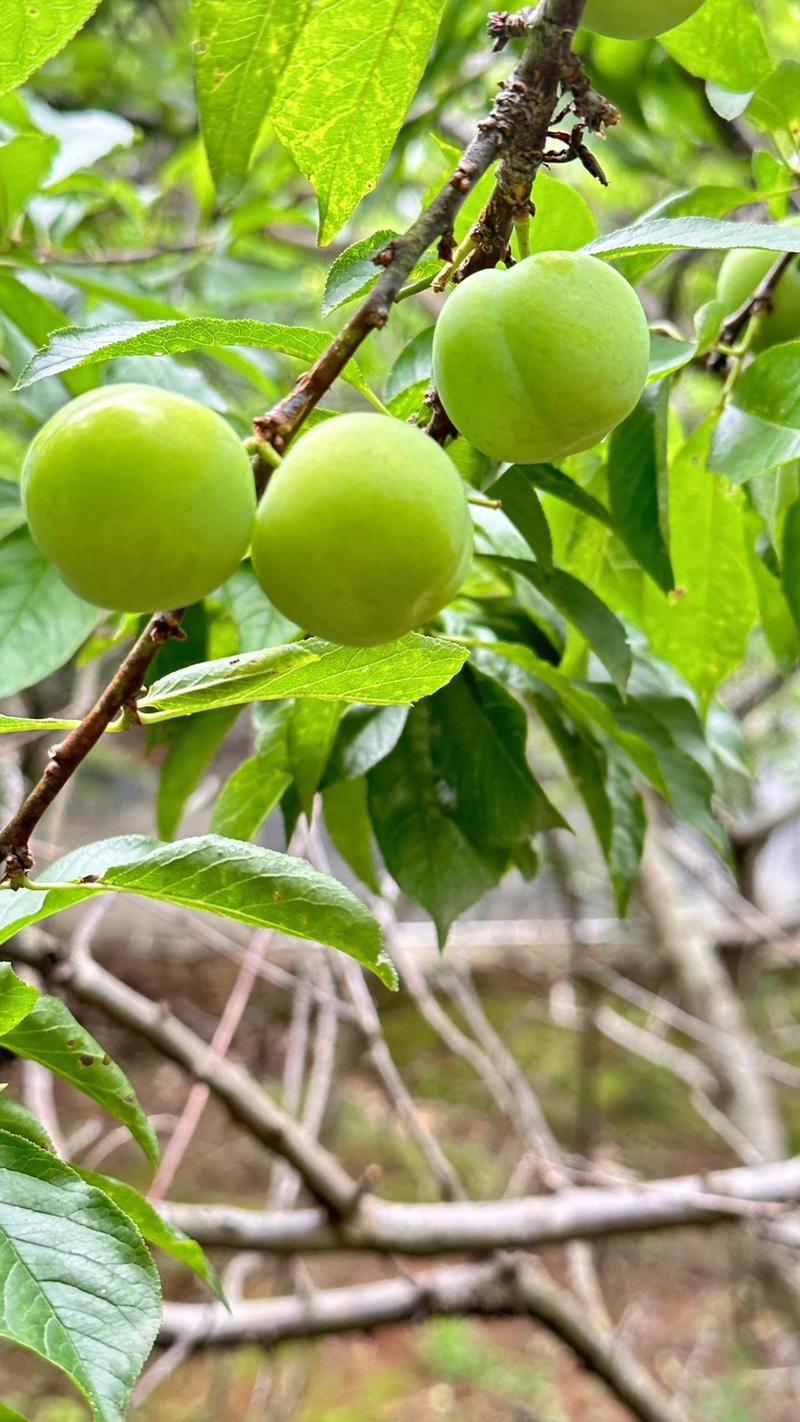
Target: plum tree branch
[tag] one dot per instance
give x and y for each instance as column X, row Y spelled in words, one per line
column 119, row 695
column 503, row 1288
column 739, row 1195
column 516, row 132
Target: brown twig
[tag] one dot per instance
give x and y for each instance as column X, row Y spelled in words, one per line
column 756, row 305
column 121, row 693
column 516, row 131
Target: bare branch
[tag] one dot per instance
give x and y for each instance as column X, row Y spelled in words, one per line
column 501, row 1289
column 386, row 1227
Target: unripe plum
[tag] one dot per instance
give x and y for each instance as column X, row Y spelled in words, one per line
column 742, row 271
column 364, row 531
column 543, row 360
column 636, row 19
column 140, row 498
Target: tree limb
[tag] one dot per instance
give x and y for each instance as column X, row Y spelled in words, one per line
column 503, row 1288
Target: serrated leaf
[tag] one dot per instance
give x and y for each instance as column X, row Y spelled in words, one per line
column 424, row 847
column 79, row 346
column 703, row 628
column 240, row 50
column 42, row 623
column 760, row 427
column 402, row 671
column 637, row 478
column 366, row 734
column 24, row 162
column 239, row 881
column 311, row 732
column 603, row 631
column 37, row 318
column 19, row 1121
column 366, row 57
column 549, row 480
column 662, row 235
column 190, row 753
column 256, row 786
column 354, row 272
column 79, row 1287
column 258, row 623
column 29, row 35
column 650, row 735
column 775, row 106
column 724, row 43
column 16, row 998
column 155, row 1229
column 481, row 754
column 51, row 1036
column 348, row 823
column 522, row 506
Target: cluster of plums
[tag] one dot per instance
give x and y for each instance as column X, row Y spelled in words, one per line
column 143, row 499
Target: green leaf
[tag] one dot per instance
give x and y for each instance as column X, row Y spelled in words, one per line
column 258, row 624
column 8, row 1415
column 724, row 43
column 775, row 106
column 760, row 428
column 78, row 346
column 607, row 789
column 563, row 220
column 585, row 610
column 668, row 355
column 30, row 35
column 36, row 318
column 12, row 515
column 483, row 733
column 702, row 629
column 19, row 1121
column 51, row 1036
column 256, row 786
column 366, row 734
column 191, row 751
column 16, row 998
column 347, row 819
column 24, row 162
column 240, row 50
column 311, row 732
column 628, row 828
column 424, row 847
column 9, row 725
column 366, row 57
column 239, row 881
column 558, row 485
column 400, row 671
column 155, row 1229
column 354, row 272
column 790, row 561
column 413, row 367
column 660, row 736
column 522, row 506
column 79, row 1287
column 637, row 474
column 42, row 623
column 663, row 235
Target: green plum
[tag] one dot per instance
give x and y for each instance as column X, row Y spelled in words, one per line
column 364, row 531
column 741, row 273
column 543, row 360
column 637, row 19
column 140, row 498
